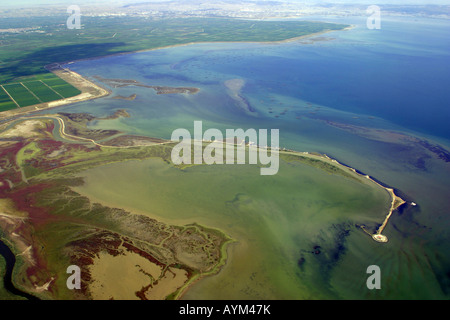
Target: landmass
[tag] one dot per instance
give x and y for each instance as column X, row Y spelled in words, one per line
column 49, row 226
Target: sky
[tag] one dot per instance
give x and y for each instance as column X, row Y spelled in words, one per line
column 4, row 3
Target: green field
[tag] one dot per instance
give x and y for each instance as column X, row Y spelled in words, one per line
column 5, row 102
column 42, row 91
column 21, row 94
column 35, row 89
column 61, row 87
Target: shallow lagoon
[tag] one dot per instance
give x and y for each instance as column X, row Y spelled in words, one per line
column 276, row 220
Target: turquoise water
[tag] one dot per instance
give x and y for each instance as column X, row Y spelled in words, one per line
column 396, row 78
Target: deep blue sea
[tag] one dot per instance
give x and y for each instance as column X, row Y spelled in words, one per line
column 395, row 79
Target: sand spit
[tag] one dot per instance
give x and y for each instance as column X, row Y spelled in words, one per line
column 396, row 202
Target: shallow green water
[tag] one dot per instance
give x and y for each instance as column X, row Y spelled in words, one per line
column 276, row 220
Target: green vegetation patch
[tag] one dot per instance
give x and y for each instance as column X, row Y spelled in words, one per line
column 21, row 94
column 42, row 91
column 5, row 101
column 66, row 90
column 30, row 90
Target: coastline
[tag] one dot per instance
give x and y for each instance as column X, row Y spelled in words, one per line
column 207, row 42
column 90, row 90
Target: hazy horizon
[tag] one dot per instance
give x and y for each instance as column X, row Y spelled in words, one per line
column 33, row 3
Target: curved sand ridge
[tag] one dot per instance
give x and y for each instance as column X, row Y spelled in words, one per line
column 396, row 202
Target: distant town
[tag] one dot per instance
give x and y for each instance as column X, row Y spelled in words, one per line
column 230, row 9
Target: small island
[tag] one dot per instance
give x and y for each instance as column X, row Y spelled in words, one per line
column 120, row 83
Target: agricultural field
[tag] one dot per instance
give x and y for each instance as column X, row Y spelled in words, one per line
column 33, row 90
column 5, row 101
column 43, row 91
column 21, row 94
